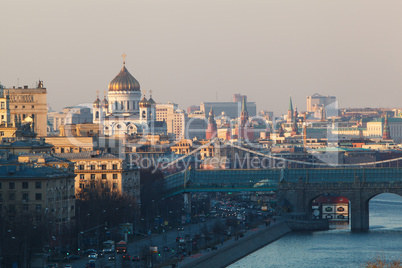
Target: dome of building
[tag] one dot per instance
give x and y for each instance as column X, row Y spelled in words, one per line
column 151, row 100
column 105, row 103
column 97, row 102
column 124, row 81
column 144, row 103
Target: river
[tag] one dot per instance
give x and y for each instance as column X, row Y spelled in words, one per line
column 338, row 247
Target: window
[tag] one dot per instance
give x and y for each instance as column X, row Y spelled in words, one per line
column 82, row 176
column 38, row 218
column 0, row 185
column 25, row 207
column 33, row 106
column 115, row 176
column 92, row 167
column 38, row 196
column 92, row 185
column 38, row 185
column 81, row 167
column 11, row 185
column 103, row 167
column 11, row 196
column 38, row 207
column 104, row 177
column 114, row 166
column 25, row 196
column 93, row 176
column 82, row 186
column 115, row 185
column 1, row 197
column 11, row 208
column 24, row 185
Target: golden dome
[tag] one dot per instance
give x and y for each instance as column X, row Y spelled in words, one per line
column 105, row 103
column 144, row 103
column 96, row 102
column 124, row 81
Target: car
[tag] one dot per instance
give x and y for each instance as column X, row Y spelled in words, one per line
column 136, row 258
column 73, row 257
column 126, row 257
column 52, row 265
column 93, row 256
column 89, row 251
column 180, row 228
column 67, row 266
column 178, row 238
column 112, row 257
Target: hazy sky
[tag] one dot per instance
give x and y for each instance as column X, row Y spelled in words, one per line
column 187, row 51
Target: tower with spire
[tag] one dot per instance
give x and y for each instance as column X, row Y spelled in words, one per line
column 290, row 112
column 386, row 135
column 244, row 129
column 97, row 107
column 295, row 129
column 212, row 128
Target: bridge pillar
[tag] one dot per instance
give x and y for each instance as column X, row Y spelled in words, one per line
column 187, row 203
column 359, row 213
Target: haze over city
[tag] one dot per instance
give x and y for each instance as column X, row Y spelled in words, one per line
column 188, row 52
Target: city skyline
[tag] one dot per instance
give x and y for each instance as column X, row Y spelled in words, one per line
column 265, row 50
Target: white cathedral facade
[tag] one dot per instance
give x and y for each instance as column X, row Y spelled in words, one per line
column 124, row 112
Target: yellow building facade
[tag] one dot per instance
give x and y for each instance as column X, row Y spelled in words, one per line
column 27, row 102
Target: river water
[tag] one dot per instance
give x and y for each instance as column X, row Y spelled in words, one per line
column 338, row 247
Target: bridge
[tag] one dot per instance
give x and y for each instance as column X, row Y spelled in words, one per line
column 297, row 187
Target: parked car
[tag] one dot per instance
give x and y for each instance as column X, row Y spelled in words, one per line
column 93, row 256
column 112, row 257
column 180, row 228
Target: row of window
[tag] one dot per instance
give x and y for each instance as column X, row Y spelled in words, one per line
column 23, row 107
column 103, row 185
column 93, row 176
column 25, row 196
column 93, row 167
column 25, row 207
column 25, row 185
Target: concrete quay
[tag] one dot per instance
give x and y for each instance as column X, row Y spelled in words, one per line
column 232, row 251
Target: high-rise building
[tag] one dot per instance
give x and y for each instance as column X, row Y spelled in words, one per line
column 238, row 97
column 72, row 115
column 231, row 109
column 30, row 103
column 317, row 101
column 175, row 119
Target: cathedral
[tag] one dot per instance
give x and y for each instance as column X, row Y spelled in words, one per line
column 123, row 112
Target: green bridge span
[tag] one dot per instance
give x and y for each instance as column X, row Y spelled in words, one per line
column 257, row 180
